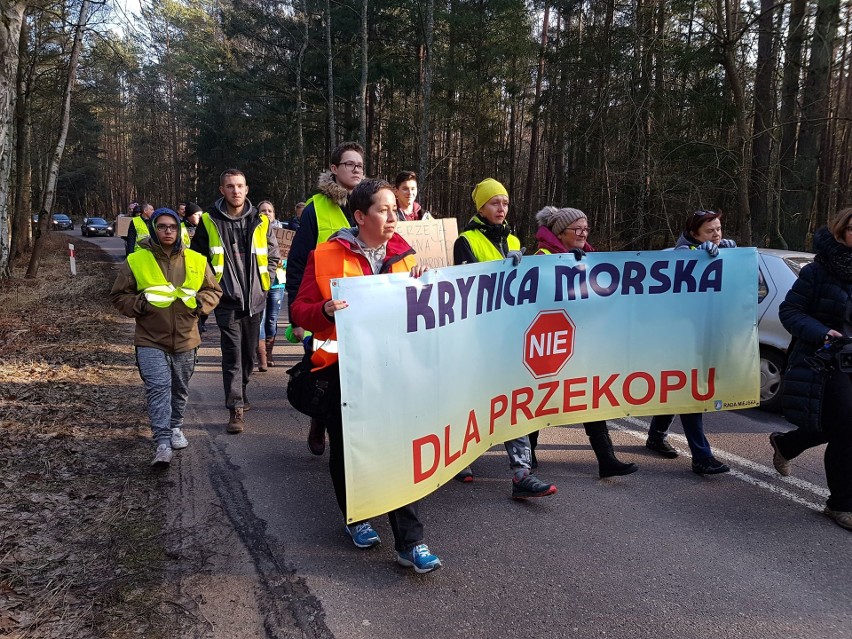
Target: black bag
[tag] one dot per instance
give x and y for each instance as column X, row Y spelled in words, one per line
column 316, row 394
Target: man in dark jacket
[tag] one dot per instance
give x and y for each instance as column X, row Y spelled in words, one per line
column 241, row 249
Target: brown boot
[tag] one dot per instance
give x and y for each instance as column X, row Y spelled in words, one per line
column 270, row 342
column 236, row 422
column 261, row 357
column 316, row 437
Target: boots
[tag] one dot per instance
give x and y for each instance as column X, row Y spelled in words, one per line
column 316, row 437
column 608, row 465
column 236, row 422
column 270, row 342
column 261, row 357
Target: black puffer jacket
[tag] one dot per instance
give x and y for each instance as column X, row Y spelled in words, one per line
column 820, row 300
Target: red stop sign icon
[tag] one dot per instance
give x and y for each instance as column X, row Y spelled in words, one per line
column 548, row 343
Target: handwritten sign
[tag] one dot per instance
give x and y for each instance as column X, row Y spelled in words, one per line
column 285, row 241
column 122, row 225
column 432, row 240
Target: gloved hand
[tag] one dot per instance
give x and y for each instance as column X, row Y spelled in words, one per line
column 516, row 256
column 577, row 253
column 726, row 243
column 710, row 247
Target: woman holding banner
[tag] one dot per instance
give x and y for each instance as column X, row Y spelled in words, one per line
column 702, row 231
column 487, row 237
column 817, row 392
column 372, row 248
column 567, row 231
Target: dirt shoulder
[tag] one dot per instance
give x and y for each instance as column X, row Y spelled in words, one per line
column 93, row 543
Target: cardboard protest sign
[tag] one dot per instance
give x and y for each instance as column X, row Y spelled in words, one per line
column 122, row 225
column 431, row 239
column 285, row 241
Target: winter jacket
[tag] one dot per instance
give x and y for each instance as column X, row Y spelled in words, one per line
column 820, row 300
column 499, row 235
column 307, row 234
column 307, row 308
column 234, row 297
column 173, row 329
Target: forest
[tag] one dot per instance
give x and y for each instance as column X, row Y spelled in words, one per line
column 637, row 112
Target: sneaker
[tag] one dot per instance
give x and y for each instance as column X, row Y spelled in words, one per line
column 236, row 422
column 709, row 466
column 163, row 456
column 363, row 535
column 842, row 519
column 782, row 465
column 178, row 439
column 418, row 558
column 531, row 486
column 661, row 446
column 465, row 476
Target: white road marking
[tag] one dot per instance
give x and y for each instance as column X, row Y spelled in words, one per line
column 801, row 484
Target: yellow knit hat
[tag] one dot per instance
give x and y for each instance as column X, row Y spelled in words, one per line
column 485, row 190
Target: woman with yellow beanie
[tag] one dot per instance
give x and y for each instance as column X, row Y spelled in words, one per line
column 487, row 237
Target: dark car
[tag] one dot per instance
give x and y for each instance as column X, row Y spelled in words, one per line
column 97, row 226
column 62, row 222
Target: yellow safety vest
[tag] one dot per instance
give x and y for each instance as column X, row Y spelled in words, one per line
column 157, row 289
column 184, row 235
column 259, row 248
column 484, row 250
column 142, row 230
column 330, row 217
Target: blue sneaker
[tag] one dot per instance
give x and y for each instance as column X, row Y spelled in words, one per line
column 418, row 558
column 363, row 535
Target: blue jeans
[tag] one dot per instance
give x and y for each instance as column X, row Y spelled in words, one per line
column 269, row 323
column 166, row 377
column 693, row 428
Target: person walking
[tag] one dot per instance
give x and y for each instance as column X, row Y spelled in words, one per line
column 139, row 228
column 817, row 394
column 326, row 212
column 488, row 237
column 274, row 298
column 241, row 248
column 567, row 230
column 371, row 248
column 165, row 286
column 702, row 231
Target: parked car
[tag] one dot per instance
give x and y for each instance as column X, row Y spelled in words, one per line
column 778, row 271
column 97, row 226
column 62, row 222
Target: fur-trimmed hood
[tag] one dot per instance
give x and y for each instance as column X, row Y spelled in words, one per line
column 329, row 187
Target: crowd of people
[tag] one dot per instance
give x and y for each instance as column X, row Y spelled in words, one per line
column 183, row 265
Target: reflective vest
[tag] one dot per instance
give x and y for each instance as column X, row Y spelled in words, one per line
column 544, row 251
column 484, row 250
column 330, row 217
column 333, row 260
column 159, row 292
column 259, row 248
column 142, row 230
column 184, row 235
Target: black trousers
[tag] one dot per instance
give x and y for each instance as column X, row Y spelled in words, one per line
column 404, row 521
column 836, row 422
column 239, row 333
column 591, row 428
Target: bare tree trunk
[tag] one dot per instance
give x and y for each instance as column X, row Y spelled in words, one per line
column 332, row 128
column 536, row 116
column 362, row 86
column 11, row 16
column 21, row 224
column 50, row 189
column 429, row 34
column 801, row 186
column 302, row 187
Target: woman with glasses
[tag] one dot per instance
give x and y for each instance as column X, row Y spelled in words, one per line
column 817, row 395
column 567, row 231
column 702, row 231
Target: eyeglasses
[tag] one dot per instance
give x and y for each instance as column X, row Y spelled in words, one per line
column 352, row 166
column 581, row 230
column 167, row 228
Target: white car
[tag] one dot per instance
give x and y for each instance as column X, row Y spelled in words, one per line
column 778, row 270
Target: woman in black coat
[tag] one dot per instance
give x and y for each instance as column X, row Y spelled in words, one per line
column 817, row 397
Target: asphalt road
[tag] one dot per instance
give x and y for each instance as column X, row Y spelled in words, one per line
column 660, row 553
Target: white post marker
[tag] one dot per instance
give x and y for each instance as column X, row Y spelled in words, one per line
column 72, row 259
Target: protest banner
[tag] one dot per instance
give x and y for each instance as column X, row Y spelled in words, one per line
column 432, row 240
column 285, row 241
column 436, row 370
